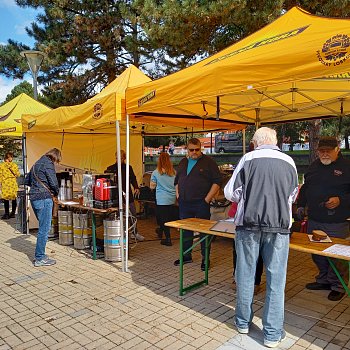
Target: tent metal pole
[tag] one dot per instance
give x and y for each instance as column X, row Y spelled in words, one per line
column 120, row 190
column 25, row 171
column 127, row 171
column 143, row 154
column 244, row 143
column 257, row 118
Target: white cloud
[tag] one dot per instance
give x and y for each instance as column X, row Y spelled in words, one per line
column 7, row 3
column 6, row 85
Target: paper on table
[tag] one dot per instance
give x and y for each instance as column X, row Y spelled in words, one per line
column 69, row 202
column 327, row 240
column 339, row 249
column 224, row 226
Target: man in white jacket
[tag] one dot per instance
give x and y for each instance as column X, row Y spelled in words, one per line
column 264, row 184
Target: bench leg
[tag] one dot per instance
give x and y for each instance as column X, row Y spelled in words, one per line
column 339, row 276
column 208, row 240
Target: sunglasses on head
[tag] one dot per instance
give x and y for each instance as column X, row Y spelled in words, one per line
column 194, row 149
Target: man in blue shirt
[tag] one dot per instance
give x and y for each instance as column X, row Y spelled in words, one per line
column 197, row 181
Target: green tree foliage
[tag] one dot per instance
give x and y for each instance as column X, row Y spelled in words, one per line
column 157, row 141
column 9, row 144
column 11, row 63
column 23, row 87
column 184, row 31
column 88, row 43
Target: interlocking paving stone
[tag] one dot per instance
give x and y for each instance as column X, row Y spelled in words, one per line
column 84, row 304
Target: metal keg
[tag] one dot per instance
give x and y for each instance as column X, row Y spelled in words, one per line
column 112, row 240
column 54, row 228
column 65, row 227
column 81, row 231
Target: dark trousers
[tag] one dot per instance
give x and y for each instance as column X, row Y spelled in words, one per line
column 259, row 266
column 326, row 273
column 7, row 206
column 194, row 209
column 166, row 213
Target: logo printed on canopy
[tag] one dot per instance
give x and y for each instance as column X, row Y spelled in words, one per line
column 31, row 124
column 266, row 41
column 146, row 98
column 335, row 50
column 98, row 109
column 2, row 131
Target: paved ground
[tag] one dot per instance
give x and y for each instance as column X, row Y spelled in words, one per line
column 84, row 304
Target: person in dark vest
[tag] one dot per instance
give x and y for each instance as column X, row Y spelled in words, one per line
column 326, row 194
column 197, row 181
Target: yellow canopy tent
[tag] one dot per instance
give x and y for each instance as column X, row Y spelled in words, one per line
column 294, row 68
column 85, row 133
column 11, row 113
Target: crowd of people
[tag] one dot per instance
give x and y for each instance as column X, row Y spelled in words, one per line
column 263, row 186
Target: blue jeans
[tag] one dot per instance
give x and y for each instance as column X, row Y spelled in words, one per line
column 43, row 211
column 274, row 249
column 326, row 273
column 194, row 209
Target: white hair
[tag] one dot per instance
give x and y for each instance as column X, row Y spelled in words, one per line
column 265, row 136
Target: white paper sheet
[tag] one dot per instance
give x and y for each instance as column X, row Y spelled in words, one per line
column 69, row 202
column 224, row 226
column 339, row 249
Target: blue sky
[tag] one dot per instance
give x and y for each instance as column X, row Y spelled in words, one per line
column 13, row 20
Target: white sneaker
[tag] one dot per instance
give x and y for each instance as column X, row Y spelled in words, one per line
column 241, row 330
column 138, row 237
column 275, row 343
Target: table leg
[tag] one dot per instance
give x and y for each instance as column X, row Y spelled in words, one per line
column 93, row 219
column 181, row 264
column 206, row 272
column 347, row 289
column 208, row 240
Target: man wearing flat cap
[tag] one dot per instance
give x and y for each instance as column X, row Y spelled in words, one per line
column 326, row 193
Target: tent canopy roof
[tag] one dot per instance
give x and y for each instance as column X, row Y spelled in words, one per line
column 292, row 69
column 11, row 113
column 98, row 114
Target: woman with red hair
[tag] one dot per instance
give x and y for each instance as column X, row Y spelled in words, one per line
column 162, row 179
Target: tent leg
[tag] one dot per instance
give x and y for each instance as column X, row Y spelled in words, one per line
column 243, row 140
column 26, row 195
column 127, row 194
column 257, row 118
column 120, row 190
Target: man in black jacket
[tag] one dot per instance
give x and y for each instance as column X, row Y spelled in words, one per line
column 133, row 182
column 197, row 181
column 326, row 193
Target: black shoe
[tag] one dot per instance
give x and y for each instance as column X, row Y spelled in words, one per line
column 318, row 286
column 166, row 242
column 186, row 261
column 5, row 217
column 335, row 296
column 12, row 215
column 203, row 265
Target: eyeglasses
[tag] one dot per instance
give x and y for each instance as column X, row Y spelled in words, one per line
column 194, row 149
